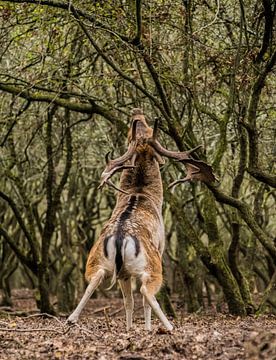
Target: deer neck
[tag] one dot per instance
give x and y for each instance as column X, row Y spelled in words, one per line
column 144, row 179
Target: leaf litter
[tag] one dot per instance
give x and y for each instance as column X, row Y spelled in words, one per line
column 103, row 336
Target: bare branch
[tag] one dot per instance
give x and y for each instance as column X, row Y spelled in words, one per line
column 85, row 108
column 22, row 225
column 16, row 249
column 247, row 216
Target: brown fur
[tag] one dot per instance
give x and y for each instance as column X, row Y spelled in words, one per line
column 146, row 218
column 136, row 220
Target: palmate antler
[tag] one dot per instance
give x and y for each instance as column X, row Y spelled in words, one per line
column 196, row 169
column 119, row 164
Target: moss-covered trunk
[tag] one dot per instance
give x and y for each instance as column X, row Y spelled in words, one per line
column 223, row 272
column 43, row 298
column 212, row 255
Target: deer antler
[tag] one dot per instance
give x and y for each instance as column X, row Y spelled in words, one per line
column 118, row 164
column 196, row 169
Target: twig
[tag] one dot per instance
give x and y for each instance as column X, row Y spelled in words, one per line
column 46, row 315
column 107, row 320
column 16, row 313
column 101, row 309
column 33, row 330
column 85, row 330
column 117, row 311
column 267, row 292
column 5, row 308
column 212, row 22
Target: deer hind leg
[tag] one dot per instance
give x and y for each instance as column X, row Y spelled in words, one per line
column 128, row 300
column 147, row 314
column 95, row 280
column 150, row 286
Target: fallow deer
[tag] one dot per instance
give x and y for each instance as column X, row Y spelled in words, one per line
column 132, row 241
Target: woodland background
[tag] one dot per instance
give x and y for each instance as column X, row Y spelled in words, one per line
column 70, row 73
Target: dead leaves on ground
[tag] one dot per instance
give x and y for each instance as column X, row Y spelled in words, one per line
column 197, row 337
column 202, row 337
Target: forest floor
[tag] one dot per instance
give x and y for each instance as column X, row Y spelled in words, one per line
column 100, row 334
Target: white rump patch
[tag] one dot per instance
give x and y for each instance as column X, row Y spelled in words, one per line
column 135, row 265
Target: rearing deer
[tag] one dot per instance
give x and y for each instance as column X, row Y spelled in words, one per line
column 132, row 241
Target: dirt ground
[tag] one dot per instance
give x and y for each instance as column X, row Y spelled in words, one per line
column 100, row 334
